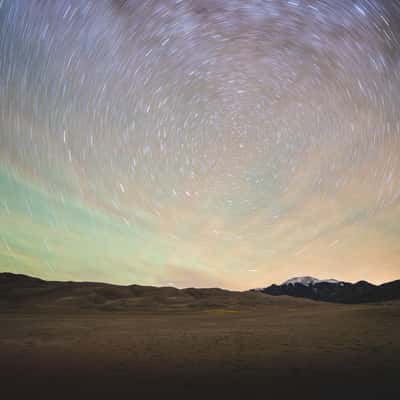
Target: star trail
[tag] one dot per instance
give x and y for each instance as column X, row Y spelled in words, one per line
column 200, row 143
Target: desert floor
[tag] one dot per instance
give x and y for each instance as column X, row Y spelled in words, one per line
column 310, row 350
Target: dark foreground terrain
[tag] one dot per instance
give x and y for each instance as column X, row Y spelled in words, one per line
column 65, row 340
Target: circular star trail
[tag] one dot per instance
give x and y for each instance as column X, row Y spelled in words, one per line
column 200, row 143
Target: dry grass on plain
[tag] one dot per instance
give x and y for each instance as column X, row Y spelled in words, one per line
column 289, row 348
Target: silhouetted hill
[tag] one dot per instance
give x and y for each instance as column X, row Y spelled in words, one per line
column 25, row 292
column 335, row 291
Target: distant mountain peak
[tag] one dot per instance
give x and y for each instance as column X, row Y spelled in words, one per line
column 308, row 281
column 335, row 291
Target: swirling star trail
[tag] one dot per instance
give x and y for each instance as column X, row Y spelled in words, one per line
column 200, row 143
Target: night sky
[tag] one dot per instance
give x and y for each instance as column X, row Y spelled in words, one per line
column 200, row 142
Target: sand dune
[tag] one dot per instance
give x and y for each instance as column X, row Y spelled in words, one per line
column 26, row 293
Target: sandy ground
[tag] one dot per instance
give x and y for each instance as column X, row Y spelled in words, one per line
column 311, row 351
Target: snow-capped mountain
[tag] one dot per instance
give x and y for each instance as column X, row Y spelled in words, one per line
column 308, row 280
column 334, row 290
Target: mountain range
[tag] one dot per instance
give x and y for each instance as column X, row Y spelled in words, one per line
column 335, row 291
column 22, row 291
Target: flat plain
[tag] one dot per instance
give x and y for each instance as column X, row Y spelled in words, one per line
column 216, row 347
